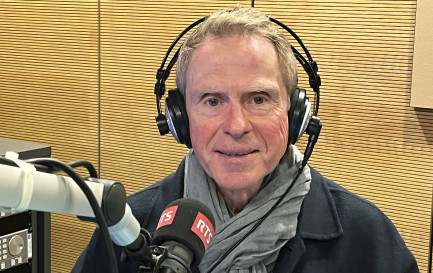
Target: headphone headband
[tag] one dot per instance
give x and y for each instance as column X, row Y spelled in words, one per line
column 310, row 66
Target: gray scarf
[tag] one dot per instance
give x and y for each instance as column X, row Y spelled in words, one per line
column 259, row 251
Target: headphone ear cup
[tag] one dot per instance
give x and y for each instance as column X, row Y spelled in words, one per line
column 177, row 117
column 298, row 114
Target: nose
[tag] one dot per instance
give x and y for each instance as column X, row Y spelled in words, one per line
column 237, row 121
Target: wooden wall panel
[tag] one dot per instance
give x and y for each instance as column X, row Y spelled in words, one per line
column 49, row 92
column 372, row 141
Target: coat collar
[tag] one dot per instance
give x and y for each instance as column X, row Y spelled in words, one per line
column 319, row 218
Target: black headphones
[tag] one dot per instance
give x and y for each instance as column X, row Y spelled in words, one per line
column 176, row 121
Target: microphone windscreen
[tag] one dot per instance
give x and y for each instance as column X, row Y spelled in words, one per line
column 189, row 222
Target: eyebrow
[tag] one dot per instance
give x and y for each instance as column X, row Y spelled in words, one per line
column 272, row 92
column 254, row 89
column 199, row 95
column 262, row 89
column 207, row 90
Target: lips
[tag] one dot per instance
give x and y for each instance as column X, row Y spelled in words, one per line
column 236, row 153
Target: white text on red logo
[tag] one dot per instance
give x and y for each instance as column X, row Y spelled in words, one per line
column 203, row 228
column 167, row 216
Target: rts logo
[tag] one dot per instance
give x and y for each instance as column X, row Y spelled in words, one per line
column 167, row 216
column 203, row 228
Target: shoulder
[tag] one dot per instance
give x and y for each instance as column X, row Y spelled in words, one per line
column 147, row 204
column 354, row 212
column 353, row 209
column 368, row 236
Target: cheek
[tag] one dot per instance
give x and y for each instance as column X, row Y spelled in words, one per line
column 200, row 133
column 277, row 141
column 277, row 131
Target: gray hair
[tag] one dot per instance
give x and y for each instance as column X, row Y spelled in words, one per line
column 239, row 21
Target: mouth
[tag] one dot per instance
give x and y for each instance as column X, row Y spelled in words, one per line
column 236, row 154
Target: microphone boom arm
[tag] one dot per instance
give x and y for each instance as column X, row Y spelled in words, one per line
column 60, row 194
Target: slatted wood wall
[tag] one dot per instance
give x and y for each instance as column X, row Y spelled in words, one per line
column 79, row 75
column 49, row 92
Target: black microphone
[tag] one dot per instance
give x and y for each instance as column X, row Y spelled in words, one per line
column 184, row 231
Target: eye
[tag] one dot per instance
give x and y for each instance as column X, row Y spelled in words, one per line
column 212, row 102
column 258, row 100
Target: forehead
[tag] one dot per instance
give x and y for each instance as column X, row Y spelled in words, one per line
column 249, row 45
column 238, row 59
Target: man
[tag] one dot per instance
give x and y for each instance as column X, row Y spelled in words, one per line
column 237, row 72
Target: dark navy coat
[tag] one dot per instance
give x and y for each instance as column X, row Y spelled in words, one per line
column 338, row 232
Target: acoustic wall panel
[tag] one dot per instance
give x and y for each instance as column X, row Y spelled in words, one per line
column 49, row 92
column 372, row 141
column 421, row 91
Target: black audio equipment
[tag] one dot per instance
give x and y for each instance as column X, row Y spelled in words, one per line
column 25, row 236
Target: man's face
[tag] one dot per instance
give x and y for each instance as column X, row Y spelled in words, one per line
column 237, row 108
